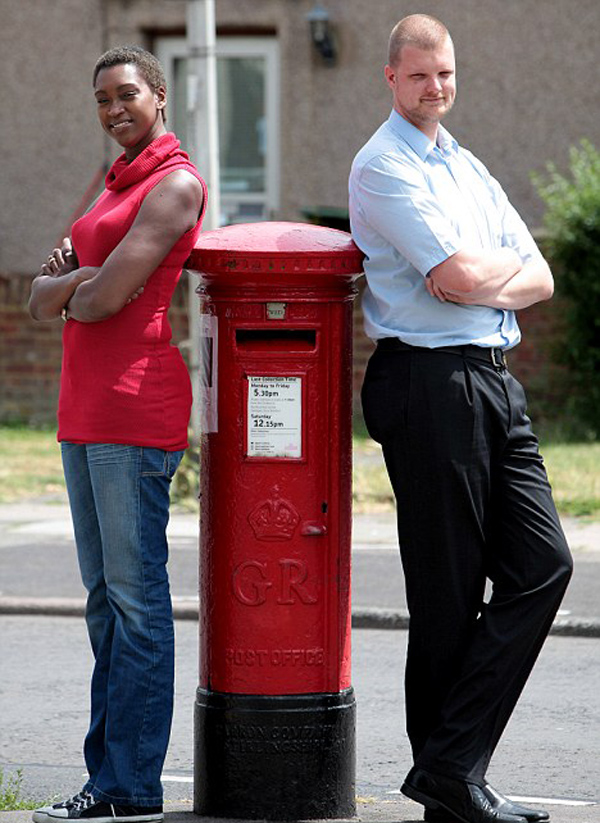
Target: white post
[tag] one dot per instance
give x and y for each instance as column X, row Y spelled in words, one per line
column 203, row 136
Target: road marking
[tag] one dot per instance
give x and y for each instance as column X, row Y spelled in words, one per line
column 551, row 801
column 545, row 801
column 168, row 778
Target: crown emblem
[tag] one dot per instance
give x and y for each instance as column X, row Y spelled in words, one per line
column 274, row 519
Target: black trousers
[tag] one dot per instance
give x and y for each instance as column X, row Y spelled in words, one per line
column 474, row 504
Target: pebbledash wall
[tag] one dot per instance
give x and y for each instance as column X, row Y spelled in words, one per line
column 520, row 104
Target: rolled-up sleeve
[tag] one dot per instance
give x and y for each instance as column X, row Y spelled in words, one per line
column 393, row 198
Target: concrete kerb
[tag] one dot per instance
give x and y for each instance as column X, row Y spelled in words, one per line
column 187, row 609
column 369, row 810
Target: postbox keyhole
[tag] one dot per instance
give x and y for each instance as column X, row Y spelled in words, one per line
column 324, row 507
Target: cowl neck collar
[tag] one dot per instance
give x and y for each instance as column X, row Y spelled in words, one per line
column 123, row 173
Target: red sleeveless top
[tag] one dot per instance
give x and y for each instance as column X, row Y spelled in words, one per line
column 122, row 381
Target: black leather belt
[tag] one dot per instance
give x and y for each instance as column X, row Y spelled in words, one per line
column 490, row 356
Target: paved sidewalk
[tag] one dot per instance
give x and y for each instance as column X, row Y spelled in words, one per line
column 368, row 810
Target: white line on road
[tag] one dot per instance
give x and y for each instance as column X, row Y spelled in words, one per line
column 545, row 801
column 170, row 778
column 551, row 801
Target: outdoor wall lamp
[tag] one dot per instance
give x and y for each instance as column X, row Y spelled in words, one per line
column 321, row 35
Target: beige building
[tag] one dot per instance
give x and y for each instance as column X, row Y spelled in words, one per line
column 291, row 121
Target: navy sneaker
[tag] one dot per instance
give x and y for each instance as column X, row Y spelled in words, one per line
column 42, row 814
column 87, row 807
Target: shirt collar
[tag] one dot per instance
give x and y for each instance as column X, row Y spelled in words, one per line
column 419, row 142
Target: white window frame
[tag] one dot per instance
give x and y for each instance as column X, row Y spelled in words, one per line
column 168, row 49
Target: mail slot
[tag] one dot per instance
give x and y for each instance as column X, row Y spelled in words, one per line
column 269, row 340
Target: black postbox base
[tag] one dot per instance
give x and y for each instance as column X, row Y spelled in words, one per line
column 288, row 757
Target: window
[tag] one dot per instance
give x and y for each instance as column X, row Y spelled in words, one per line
column 248, row 101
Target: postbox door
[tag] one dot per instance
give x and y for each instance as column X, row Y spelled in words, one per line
column 284, row 615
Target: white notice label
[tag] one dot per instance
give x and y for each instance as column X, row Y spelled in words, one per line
column 274, row 417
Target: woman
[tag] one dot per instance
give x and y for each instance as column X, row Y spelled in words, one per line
column 123, row 412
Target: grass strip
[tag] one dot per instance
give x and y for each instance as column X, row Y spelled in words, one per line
column 30, row 467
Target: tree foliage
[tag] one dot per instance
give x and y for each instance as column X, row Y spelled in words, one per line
column 572, row 219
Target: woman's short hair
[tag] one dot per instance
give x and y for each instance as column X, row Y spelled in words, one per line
column 147, row 64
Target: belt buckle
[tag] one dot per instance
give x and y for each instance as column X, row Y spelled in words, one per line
column 498, row 352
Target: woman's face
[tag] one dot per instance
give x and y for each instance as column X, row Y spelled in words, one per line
column 129, row 110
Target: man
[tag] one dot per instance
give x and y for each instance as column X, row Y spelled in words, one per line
column 448, row 260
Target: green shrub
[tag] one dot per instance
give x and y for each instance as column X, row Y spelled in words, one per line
column 573, row 222
column 184, row 489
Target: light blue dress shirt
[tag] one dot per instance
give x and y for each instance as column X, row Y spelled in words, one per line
column 413, row 204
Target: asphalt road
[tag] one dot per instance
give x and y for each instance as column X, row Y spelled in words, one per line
column 551, row 748
column 37, row 559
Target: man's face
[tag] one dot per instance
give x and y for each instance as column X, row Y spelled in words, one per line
column 424, row 85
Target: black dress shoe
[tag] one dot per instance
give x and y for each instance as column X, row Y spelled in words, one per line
column 499, row 802
column 465, row 802
column 503, row 804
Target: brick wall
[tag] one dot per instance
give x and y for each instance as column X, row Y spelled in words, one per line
column 530, row 362
column 30, row 354
column 29, row 357
column 533, row 360
column 363, row 348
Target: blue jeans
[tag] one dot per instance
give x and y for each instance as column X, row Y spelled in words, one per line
column 119, row 497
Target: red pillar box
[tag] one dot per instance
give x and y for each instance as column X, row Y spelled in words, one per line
column 275, row 709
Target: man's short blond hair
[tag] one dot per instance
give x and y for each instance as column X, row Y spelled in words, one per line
column 419, row 30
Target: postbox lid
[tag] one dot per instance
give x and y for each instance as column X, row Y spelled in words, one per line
column 275, row 248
